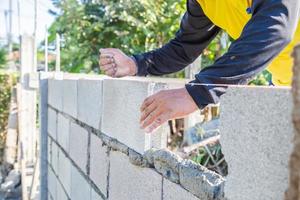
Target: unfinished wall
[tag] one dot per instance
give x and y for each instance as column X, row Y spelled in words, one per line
column 256, row 138
column 96, row 149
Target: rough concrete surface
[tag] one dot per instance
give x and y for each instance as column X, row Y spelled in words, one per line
column 200, row 181
column 90, row 102
column 80, row 189
column 256, row 134
column 64, row 172
column 167, row 163
column 173, row 191
column 99, row 164
column 55, row 93
column 70, row 97
column 52, row 118
column 121, row 113
column 63, row 132
column 79, row 145
column 129, row 182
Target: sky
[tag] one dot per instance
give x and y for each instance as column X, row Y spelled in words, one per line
column 27, row 17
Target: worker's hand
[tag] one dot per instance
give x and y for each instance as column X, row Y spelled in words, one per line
column 165, row 105
column 115, row 63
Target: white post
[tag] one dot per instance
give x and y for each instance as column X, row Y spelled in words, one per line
column 57, row 64
column 27, row 111
column 190, row 73
column 46, row 50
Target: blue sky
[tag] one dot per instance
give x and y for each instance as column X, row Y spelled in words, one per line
column 27, row 17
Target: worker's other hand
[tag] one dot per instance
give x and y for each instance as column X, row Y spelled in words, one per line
column 165, row 105
column 115, row 63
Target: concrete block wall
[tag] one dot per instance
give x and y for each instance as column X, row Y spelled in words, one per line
column 96, row 149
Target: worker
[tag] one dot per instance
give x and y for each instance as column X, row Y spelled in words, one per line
column 265, row 32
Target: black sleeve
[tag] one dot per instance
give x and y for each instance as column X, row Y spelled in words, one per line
column 270, row 29
column 196, row 32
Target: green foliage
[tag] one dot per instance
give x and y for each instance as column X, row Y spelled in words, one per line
column 2, row 58
column 6, row 83
column 263, row 79
column 132, row 25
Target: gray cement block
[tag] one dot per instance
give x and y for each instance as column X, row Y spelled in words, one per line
column 63, row 132
column 52, row 126
column 80, row 189
column 173, row 191
column 61, row 194
column 95, row 195
column 99, row 164
column 90, row 102
column 79, row 146
column 256, row 133
column 49, row 151
column 129, row 182
column 52, row 184
column 64, row 172
column 70, row 97
column 55, row 155
column 200, row 181
column 55, row 93
column 121, row 113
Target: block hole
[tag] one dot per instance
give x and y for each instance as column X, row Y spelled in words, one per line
column 200, row 142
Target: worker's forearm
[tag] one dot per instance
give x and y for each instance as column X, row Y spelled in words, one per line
column 196, row 32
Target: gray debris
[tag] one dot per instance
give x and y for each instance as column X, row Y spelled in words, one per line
column 137, row 159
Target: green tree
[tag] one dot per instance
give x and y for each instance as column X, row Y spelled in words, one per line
column 2, row 57
column 131, row 25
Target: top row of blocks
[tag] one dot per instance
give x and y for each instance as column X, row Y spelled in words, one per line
column 110, row 105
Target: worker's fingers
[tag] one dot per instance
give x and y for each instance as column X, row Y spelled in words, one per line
column 111, row 72
column 153, row 116
column 148, row 111
column 105, row 61
column 162, row 118
column 108, row 51
column 147, row 102
column 108, row 67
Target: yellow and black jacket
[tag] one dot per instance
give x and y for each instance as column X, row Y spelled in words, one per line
column 263, row 38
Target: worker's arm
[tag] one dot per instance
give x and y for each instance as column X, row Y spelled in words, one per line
column 270, row 29
column 196, row 32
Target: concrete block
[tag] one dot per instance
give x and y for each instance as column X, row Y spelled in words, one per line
column 90, row 102
column 200, row 181
column 80, row 189
column 70, row 97
column 95, row 195
column 64, row 172
column 52, row 120
column 52, row 184
column 128, row 181
column 63, row 132
column 173, row 191
column 55, row 93
column 54, row 159
column 61, row 194
column 256, row 133
column 121, row 113
column 79, row 146
column 99, row 164
column 49, row 150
